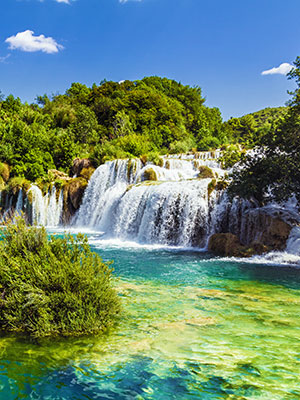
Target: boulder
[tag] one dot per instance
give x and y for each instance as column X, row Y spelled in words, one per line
column 228, row 245
column 54, row 174
column 149, row 175
column 225, row 244
column 73, row 194
column 79, row 164
column 205, row 172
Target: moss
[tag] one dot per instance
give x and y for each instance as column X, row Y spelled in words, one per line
column 150, row 175
column 29, row 197
column 205, row 172
column 131, row 168
column 168, row 165
column 17, row 183
column 144, row 159
column 2, row 183
column 160, row 162
column 86, row 173
column 211, row 187
column 4, row 171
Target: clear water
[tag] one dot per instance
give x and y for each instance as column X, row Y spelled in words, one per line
column 194, row 327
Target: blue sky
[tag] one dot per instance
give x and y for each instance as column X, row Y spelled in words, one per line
column 221, row 46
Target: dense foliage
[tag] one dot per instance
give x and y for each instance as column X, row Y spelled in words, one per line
column 272, row 171
column 249, row 129
column 55, row 286
column 112, row 120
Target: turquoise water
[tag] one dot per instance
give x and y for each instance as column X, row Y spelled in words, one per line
column 193, row 327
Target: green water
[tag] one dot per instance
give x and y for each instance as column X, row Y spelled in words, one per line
column 193, row 327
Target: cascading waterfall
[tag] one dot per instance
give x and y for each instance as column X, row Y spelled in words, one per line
column 46, row 210
column 175, row 209
column 43, row 210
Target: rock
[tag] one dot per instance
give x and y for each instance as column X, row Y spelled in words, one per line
column 79, row 164
column 86, row 173
column 275, row 233
column 228, row 245
column 54, row 174
column 225, row 244
column 205, row 172
column 268, row 229
column 149, row 175
column 73, row 194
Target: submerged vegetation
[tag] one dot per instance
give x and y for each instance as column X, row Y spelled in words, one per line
column 54, row 286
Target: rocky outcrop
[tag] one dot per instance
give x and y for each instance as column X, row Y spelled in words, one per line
column 79, row 164
column 73, row 193
column 268, row 226
column 149, row 175
column 228, row 245
column 54, row 175
column 253, row 231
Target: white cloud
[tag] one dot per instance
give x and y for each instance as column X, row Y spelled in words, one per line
column 26, row 41
column 63, row 1
column 283, row 69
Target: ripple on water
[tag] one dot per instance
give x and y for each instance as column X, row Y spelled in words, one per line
column 219, row 331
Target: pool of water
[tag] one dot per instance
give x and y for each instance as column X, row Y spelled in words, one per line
column 193, row 327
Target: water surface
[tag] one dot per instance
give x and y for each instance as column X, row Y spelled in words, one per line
column 193, row 327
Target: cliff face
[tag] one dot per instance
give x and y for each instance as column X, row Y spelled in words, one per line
column 253, row 231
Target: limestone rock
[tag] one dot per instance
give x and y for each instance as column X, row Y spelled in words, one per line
column 79, row 164
column 225, row 244
column 54, row 174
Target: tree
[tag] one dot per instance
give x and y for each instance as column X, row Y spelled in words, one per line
column 273, row 171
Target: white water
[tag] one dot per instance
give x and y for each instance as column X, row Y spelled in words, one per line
column 46, row 210
column 175, row 210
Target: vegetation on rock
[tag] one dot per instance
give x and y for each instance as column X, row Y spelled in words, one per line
column 54, row 286
column 205, row 172
column 150, row 175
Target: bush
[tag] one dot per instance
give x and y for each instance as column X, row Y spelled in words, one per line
column 231, row 155
column 53, row 287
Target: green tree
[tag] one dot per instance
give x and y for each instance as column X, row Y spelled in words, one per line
column 273, row 171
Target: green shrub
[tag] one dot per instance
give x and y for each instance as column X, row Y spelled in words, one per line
column 155, row 158
column 53, row 287
column 231, row 156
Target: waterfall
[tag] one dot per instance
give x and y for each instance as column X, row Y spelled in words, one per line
column 174, row 209
column 19, row 204
column 46, row 210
